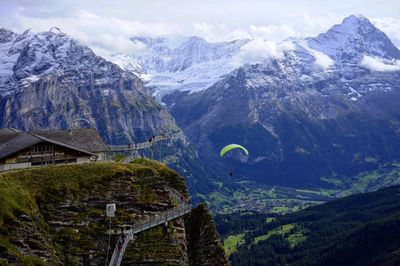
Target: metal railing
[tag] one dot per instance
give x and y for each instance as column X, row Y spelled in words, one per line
column 155, row 220
column 117, row 255
column 138, row 146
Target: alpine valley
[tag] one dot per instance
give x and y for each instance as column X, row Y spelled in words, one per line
column 319, row 115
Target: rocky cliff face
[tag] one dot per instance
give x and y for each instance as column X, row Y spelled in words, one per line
column 49, row 80
column 56, row 216
column 203, row 239
column 327, row 107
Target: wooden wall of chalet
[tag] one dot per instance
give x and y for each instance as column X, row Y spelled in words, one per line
column 44, row 152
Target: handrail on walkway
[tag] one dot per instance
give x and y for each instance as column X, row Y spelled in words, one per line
column 138, row 146
column 182, row 209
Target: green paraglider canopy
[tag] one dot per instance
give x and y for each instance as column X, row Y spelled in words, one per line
column 232, row 146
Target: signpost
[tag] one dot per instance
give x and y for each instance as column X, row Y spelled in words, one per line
column 110, row 210
column 110, row 213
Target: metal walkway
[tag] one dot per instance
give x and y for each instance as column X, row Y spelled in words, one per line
column 138, row 146
column 157, row 219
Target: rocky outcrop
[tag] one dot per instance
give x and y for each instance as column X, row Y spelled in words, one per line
column 205, row 246
column 56, row 215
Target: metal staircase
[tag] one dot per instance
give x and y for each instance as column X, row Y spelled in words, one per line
column 155, row 220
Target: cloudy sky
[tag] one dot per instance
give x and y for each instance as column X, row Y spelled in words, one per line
column 106, row 25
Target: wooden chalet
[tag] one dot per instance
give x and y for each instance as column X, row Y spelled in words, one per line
column 28, row 149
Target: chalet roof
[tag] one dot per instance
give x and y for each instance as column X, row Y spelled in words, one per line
column 84, row 140
column 6, row 137
column 87, row 139
column 8, row 130
column 16, row 142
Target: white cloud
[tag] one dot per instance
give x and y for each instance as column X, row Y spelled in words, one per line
column 293, row 26
column 119, row 43
column 93, row 28
column 258, row 50
column 272, row 32
column 215, row 32
column 83, row 14
column 104, row 35
column 94, row 21
column 321, row 59
column 380, row 64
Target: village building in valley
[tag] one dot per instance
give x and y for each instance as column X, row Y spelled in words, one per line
column 28, row 149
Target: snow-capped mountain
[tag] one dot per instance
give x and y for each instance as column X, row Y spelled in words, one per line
column 318, row 106
column 28, row 57
column 50, row 81
column 355, row 37
column 180, row 63
column 169, row 64
column 328, row 106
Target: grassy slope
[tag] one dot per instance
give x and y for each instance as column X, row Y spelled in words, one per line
column 231, row 243
column 284, row 229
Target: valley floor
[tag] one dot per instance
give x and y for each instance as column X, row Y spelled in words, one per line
column 277, row 199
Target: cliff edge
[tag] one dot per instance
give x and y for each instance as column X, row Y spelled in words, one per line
column 55, row 215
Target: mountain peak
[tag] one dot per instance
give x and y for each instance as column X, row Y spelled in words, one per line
column 55, row 30
column 6, row 35
column 352, row 25
column 196, row 39
column 4, row 30
column 356, row 24
column 354, row 37
column 353, row 19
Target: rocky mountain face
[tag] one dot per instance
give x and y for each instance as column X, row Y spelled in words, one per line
column 168, row 64
column 328, row 107
column 56, row 216
column 49, row 80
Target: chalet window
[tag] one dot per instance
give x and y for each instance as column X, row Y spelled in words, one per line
column 47, row 148
column 42, row 148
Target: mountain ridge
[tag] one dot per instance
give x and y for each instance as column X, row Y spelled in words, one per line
column 200, row 75
column 311, row 121
column 49, row 80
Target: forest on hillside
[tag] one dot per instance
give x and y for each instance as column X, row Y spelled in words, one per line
column 362, row 229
